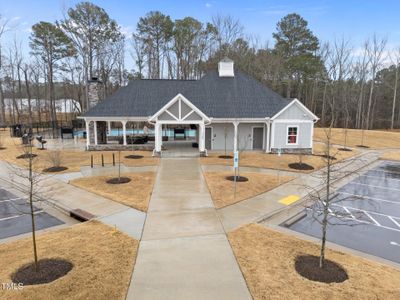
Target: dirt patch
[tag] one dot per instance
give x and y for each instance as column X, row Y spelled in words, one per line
column 308, row 267
column 118, row 180
column 391, row 155
column 345, row 149
column 267, row 260
column 362, row 146
column 134, row 156
column 237, row 178
column 222, row 190
column 327, row 156
column 135, row 193
column 299, row 166
column 55, row 169
column 48, row 271
column 102, row 256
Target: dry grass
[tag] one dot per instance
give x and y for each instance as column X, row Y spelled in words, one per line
column 135, row 193
column 103, row 260
column 266, row 258
column 73, row 159
column 273, row 161
column 392, row 155
column 222, row 190
column 375, row 139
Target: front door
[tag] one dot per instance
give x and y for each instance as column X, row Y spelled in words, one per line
column 208, row 138
column 258, row 137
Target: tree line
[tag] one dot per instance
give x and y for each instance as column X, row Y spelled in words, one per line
column 345, row 85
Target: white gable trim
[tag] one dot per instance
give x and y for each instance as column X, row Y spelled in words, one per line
column 301, row 105
column 179, row 118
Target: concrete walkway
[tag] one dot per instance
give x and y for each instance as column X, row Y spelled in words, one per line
column 184, row 252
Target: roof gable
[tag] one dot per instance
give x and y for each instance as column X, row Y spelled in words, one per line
column 295, row 110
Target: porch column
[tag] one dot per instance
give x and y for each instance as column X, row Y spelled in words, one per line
column 267, row 147
column 87, row 135
column 95, row 132
column 202, row 137
column 157, row 137
column 109, row 127
column 235, row 136
column 124, row 131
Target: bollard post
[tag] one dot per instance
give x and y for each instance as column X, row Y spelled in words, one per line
column 91, row 161
column 102, row 160
column 113, row 155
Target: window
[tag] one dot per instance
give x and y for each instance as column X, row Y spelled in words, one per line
column 292, row 135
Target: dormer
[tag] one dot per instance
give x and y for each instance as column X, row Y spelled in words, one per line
column 225, row 68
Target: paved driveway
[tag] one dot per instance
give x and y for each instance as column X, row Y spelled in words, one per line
column 14, row 217
column 370, row 214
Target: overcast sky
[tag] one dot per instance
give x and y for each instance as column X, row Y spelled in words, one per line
column 352, row 19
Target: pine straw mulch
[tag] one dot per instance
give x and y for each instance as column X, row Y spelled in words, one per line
column 267, row 261
column 391, row 155
column 72, row 159
column 103, row 259
column 374, row 139
column 274, row 161
column 222, row 189
column 135, row 193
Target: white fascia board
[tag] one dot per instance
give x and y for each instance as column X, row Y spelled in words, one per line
column 115, row 119
column 172, row 101
column 240, row 120
column 302, row 106
column 292, row 121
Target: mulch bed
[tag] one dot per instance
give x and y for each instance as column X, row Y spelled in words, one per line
column 345, row 149
column 362, row 146
column 238, row 178
column 301, row 166
column 49, row 270
column 55, row 169
column 308, row 267
column 134, row 156
column 3, row 148
column 225, row 156
column 117, row 180
column 326, row 156
column 25, row 156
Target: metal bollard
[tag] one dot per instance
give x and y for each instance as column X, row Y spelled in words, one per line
column 91, row 161
column 102, row 160
column 113, row 155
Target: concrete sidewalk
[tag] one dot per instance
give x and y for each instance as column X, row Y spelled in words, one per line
column 184, row 252
column 254, row 209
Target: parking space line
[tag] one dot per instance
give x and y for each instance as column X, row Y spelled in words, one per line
column 394, row 221
column 369, row 216
column 348, row 211
column 12, row 199
column 20, row 215
column 375, row 186
column 379, row 177
column 372, row 198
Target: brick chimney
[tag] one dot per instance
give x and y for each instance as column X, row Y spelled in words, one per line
column 95, row 92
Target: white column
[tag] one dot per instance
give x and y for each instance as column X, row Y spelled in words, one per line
column 87, row 135
column 95, row 132
column 109, row 127
column 267, row 148
column 235, row 136
column 157, row 137
column 124, row 131
column 202, row 137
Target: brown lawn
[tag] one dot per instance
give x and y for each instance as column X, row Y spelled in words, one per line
column 135, row 193
column 266, row 258
column 103, row 260
column 375, row 139
column 222, row 190
column 274, row 161
column 73, row 159
column 392, row 155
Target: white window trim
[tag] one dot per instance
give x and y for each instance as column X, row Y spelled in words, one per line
column 252, row 136
column 287, row 135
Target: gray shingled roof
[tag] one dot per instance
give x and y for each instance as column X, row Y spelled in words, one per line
column 217, row 97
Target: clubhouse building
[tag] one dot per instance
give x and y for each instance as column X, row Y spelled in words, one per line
column 225, row 109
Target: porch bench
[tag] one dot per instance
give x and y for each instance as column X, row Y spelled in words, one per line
column 81, row 215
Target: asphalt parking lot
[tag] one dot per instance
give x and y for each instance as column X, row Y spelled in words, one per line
column 369, row 209
column 15, row 218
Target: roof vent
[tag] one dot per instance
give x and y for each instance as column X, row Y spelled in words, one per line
column 225, row 68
